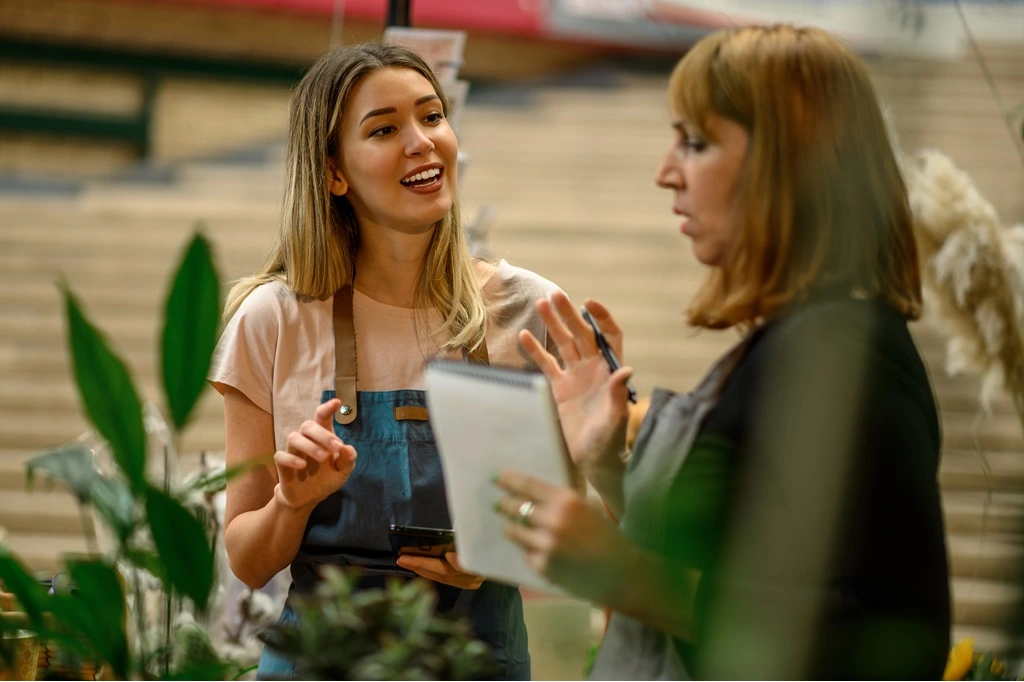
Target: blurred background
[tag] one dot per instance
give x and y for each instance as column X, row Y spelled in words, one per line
column 124, row 122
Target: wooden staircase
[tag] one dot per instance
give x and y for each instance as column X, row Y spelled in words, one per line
column 568, row 169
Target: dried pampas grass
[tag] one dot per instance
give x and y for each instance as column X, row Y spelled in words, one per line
column 973, row 275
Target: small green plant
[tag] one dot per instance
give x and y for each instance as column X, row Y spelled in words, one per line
column 155, row 535
column 394, row 633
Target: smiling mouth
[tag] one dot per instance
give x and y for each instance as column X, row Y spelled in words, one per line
column 424, row 178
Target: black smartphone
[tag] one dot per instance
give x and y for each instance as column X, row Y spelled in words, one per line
column 431, row 542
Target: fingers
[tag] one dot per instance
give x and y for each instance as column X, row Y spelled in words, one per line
column 440, row 570
column 527, row 487
column 602, row 316
column 422, row 564
column 544, row 360
column 531, row 539
column 345, row 460
column 557, row 330
column 453, row 559
column 287, row 460
column 314, row 440
column 324, row 415
column 617, row 385
column 582, row 333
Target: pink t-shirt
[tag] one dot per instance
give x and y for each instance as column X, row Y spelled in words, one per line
column 279, row 350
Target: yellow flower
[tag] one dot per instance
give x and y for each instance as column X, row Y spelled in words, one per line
column 961, row 657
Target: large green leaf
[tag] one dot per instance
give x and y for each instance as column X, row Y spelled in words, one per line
column 191, row 320
column 147, row 561
column 114, row 502
column 73, row 466
column 184, row 549
column 108, row 394
column 70, row 464
column 101, row 594
column 26, row 589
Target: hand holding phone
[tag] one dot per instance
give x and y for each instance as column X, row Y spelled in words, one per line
column 429, row 542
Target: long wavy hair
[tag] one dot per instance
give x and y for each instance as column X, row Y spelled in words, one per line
column 822, row 201
column 318, row 238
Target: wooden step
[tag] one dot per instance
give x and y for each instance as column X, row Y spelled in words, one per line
column 999, row 641
column 992, row 557
column 969, row 469
column 52, row 511
column 43, row 552
column 982, row 513
column 986, row 603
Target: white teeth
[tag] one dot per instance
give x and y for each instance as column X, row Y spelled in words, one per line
column 425, row 175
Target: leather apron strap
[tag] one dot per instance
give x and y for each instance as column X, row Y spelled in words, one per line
column 344, row 356
column 345, row 359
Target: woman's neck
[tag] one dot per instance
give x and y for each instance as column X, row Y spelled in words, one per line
column 388, row 266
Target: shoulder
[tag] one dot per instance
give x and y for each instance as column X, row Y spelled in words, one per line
column 868, row 333
column 860, row 349
column 832, row 319
column 274, row 303
column 508, row 286
column 267, row 301
column 823, row 350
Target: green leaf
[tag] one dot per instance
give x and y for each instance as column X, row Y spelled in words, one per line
column 70, row 464
column 216, row 479
column 108, row 394
column 115, row 503
column 26, row 589
column 191, row 320
column 73, row 466
column 147, row 561
column 101, row 594
column 184, row 549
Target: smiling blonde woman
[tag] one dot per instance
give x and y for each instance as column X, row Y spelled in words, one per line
column 323, row 357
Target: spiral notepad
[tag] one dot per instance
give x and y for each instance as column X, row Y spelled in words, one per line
column 486, row 419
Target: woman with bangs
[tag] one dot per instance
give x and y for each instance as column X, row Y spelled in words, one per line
column 322, row 360
column 783, row 519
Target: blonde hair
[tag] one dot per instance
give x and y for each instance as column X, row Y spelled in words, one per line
column 318, row 238
column 822, row 202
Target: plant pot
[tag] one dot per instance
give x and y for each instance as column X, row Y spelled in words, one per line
column 26, row 656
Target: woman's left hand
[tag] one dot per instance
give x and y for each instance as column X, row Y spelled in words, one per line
column 566, row 540
column 446, row 570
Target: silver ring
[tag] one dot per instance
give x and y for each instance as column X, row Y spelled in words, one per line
column 525, row 513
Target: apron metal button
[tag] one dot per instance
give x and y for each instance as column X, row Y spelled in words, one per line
column 344, row 409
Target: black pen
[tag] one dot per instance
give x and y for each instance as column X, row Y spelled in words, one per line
column 607, row 352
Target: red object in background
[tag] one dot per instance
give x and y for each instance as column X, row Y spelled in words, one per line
column 518, row 17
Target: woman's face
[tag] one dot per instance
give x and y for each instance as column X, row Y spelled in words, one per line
column 703, row 168
column 398, row 153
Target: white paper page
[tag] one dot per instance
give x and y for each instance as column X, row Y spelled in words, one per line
column 483, row 426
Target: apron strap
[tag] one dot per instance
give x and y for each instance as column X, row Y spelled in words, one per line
column 345, row 356
column 478, row 356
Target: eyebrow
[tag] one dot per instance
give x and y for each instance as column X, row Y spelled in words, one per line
column 392, row 110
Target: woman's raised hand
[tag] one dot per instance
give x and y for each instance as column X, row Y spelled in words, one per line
column 591, row 402
column 316, row 463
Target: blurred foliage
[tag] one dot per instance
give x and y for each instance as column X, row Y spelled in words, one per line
column 394, row 633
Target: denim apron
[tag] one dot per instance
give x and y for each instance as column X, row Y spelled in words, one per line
column 397, row 479
column 631, row 649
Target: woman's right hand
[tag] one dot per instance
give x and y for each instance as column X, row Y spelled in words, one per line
column 316, row 463
column 591, row 403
